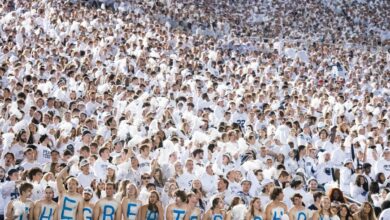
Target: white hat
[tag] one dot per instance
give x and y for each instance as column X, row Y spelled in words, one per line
column 88, row 190
column 111, row 166
column 83, row 162
column 266, row 182
column 346, row 161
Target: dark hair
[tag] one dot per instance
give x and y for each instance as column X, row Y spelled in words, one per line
column 226, row 182
column 150, row 185
column 296, row 195
column 102, row 150
column 153, row 207
column 25, row 186
column 385, row 205
column 378, row 177
column 284, row 173
column 317, row 195
column 340, row 197
column 275, row 193
column 364, row 185
column 251, row 209
column 295, row 183
column 235, row 201
column 201, row 203
column 182, row 195
column 215, row 203
column 34, row 172
column 189, row 195
column 349, row 215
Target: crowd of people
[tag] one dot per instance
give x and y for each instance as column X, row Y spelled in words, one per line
column 214, row 110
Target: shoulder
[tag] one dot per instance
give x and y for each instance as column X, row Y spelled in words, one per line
column 124, row 200
column 292, row 210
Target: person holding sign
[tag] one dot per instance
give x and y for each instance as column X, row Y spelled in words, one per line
column 255, row 211
column 46, row 209
column 298, row 211
column 88, row 205
column 107, row 208
column 276, row 208
column 177, row 210
column 130, row 203
column 70, row 202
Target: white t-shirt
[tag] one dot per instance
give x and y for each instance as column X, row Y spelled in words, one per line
column 44, row 154
column 100, row 168
column 85, row 180
column 385, row 215
column 383, row 166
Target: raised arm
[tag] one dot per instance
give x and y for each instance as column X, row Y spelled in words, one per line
column 60, row 179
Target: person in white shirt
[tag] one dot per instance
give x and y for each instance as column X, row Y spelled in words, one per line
column 85, row 177
column 43, row 150
column 35, row 175
column 209, row 179
column 385, row 210
column 346, row 176
column 9, row 190
column 101, row 164
column 324, row 171
column 185, row 180
column 383, row 164
column 323, row 143
column 145, row 161
column 29, row 161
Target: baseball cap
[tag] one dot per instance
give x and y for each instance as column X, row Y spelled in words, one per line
column 83, row 162
column 88, row 190
column 12, row 171
column 346, row 161
column 245, row 181
column 266, row 182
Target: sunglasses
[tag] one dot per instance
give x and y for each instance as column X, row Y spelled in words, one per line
column 146, row 177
